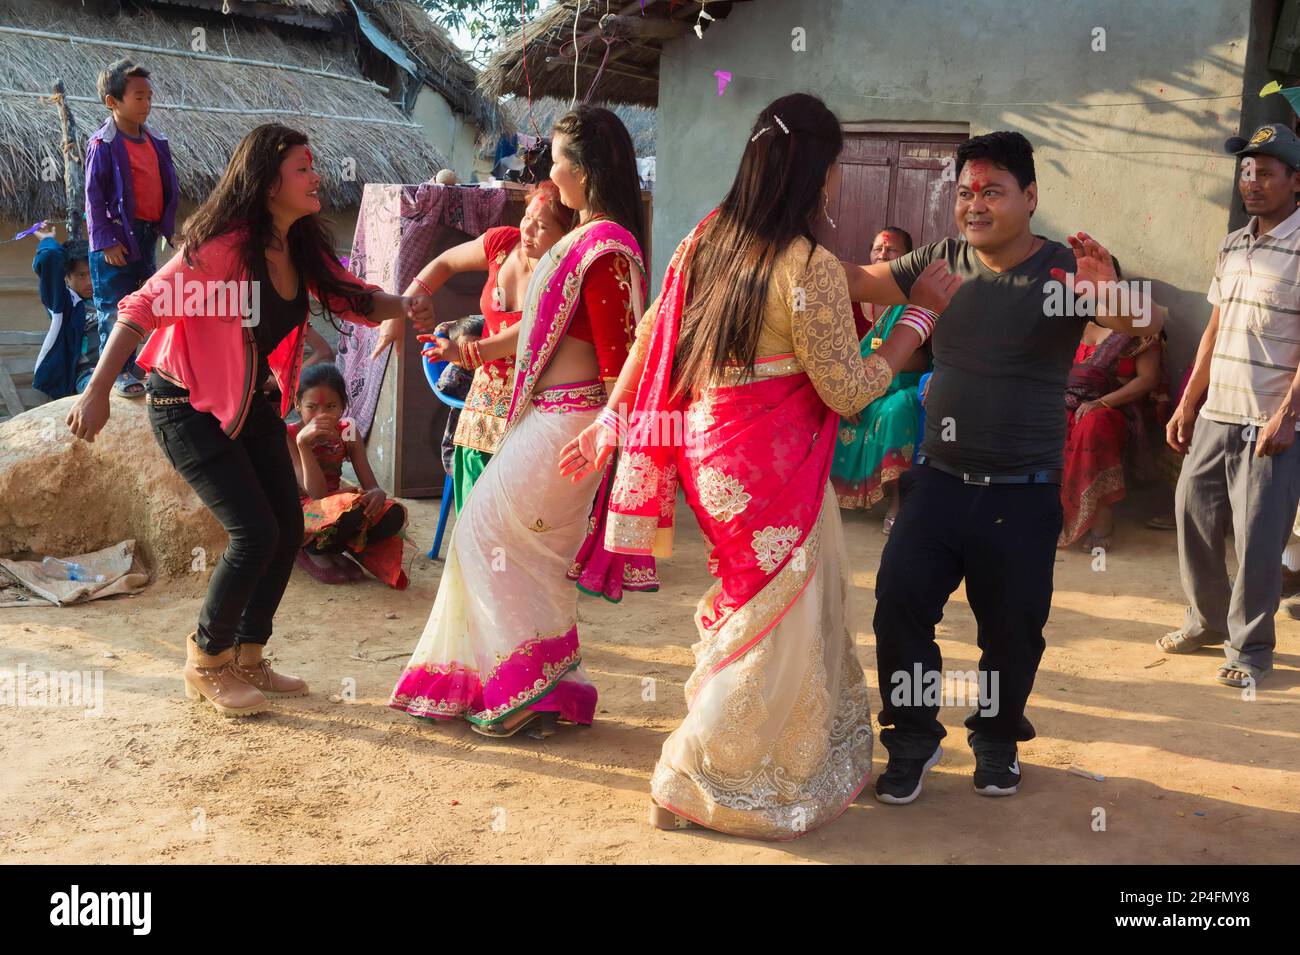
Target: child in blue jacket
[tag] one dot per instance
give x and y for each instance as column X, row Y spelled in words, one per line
column 71, row 347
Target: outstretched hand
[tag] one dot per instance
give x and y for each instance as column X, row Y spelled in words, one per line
column 588, row 452
column 438, row 347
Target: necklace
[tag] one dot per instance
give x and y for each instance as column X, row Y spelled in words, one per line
column 1033, row 247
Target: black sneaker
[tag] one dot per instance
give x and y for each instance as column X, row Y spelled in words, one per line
column 900, row 783
column 997, row 769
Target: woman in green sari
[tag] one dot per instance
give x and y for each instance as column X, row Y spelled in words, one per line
column 875, row 447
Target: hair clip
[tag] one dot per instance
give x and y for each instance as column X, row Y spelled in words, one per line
column 754, row 138
column 784, row 128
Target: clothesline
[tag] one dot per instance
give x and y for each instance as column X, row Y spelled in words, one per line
column 273, row 111
column 191, row 54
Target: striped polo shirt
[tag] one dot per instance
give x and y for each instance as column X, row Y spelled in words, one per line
column 1257, row 289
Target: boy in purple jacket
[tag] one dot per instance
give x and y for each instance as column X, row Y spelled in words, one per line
column 131, row 199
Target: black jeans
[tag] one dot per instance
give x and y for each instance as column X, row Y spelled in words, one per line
column 1002, row 540
column 249, row 485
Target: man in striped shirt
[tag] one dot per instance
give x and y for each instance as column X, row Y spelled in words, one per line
column 1242, row 472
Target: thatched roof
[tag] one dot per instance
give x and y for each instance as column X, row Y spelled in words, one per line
column 203, row 102
column 634, row 39
column 641, row 122
column 443, row 66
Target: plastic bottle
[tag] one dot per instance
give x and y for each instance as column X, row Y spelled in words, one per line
column 67, row 570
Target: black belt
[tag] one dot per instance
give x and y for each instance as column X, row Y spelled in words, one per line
column 1038, row 477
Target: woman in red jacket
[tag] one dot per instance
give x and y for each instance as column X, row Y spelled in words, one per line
column 230, row 308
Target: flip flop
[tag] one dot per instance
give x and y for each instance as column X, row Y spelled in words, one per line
column 1225, row 677
column 128, row 386
column 1178, row 641
column 326, row 575
column 1163, row 523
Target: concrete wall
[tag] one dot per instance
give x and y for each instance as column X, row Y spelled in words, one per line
column 1149, row 181
column 447, row 131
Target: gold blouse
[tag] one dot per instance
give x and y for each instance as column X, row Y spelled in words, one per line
column 808, row 313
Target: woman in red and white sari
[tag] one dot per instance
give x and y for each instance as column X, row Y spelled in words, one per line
column 500, row 649
column 740, row 373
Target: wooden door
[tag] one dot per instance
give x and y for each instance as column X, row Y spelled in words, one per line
column 892, row 179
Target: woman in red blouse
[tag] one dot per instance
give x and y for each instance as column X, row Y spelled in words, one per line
column 509, row 255
column 501, row 646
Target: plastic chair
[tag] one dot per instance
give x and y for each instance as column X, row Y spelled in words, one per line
column 920, row 396
column 432, row 372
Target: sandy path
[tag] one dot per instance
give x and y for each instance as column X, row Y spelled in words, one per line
column 157, row 778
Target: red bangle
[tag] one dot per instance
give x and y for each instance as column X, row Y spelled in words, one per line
column 427, row 291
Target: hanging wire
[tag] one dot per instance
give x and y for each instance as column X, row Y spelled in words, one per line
column 577, row 11
column 523, row 32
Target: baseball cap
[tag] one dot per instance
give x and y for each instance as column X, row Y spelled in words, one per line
column 1271, row 139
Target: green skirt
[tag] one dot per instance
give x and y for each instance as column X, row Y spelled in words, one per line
column 466, row 466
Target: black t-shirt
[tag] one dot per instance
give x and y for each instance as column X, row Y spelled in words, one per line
column 276, row 317
column 996, row 403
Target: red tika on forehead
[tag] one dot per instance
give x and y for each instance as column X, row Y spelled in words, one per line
column 310, row 157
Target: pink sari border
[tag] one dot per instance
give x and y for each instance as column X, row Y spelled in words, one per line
column 531, row 677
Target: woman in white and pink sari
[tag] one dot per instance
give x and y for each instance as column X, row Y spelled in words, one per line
column 740, row 373
column 501, row 649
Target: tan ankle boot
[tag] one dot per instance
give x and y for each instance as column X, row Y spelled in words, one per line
column 257, row 672
column 215, row 678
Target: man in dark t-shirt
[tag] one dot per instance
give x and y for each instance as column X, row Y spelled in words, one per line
column 982, row 500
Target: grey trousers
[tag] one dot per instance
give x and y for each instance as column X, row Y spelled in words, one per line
column 1224, row 488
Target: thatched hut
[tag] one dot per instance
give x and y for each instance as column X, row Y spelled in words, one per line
column 616, row 57
column 376, row 84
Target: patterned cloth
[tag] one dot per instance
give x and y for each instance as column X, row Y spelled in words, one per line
column 396, row 230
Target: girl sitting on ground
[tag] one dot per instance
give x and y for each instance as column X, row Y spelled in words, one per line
column 343, row 526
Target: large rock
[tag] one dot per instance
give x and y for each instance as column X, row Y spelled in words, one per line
column 60, row 495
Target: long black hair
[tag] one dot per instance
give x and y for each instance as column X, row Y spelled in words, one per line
column 240, row 199
column 775, row 198
column 598, row 143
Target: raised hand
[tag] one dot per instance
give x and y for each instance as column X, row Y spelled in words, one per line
column 1092, row 263
column 320, row 429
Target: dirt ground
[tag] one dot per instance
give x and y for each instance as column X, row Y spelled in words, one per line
column 1193, row 773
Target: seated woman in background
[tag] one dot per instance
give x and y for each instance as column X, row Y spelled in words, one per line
column 508, row 255
column 875, row 446
column 1104, row 404
column 344, row 528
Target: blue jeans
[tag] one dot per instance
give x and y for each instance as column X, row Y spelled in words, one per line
column 112, row 282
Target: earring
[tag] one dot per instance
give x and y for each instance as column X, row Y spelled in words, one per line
column 826, row 209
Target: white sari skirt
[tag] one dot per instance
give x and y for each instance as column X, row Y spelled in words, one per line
column 503, row 633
